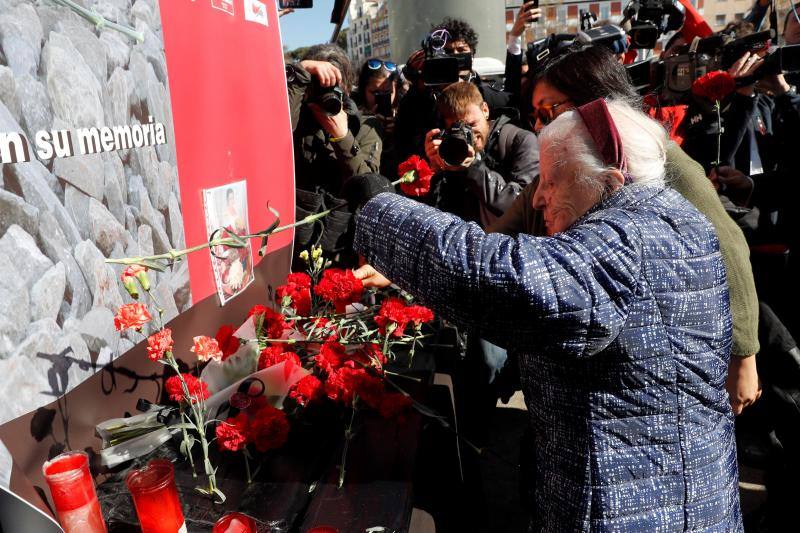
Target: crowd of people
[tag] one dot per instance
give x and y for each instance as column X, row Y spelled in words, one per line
column 630, row 264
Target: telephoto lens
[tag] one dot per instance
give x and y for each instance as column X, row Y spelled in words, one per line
column 455, row 144
column 330, row 100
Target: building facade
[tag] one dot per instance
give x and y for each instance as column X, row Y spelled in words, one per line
column 360, row 44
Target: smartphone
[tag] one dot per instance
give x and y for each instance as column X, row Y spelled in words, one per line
column 383, row 99
column 295, row 4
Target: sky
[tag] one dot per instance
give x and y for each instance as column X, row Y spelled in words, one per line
column 308, row 26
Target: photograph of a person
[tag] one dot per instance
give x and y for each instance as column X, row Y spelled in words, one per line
column 226, row 209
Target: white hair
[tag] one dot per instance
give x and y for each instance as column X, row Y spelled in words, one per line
column 567, row 145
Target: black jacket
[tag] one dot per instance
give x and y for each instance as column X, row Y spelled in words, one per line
column 483, row 192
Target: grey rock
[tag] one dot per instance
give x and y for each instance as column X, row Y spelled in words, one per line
column 31, row 179
column 124, row 345
column 115, row 170
column 131, row 216
column 106, row 231
column 135, row 190
column 97, row 329
column 175, row 222
column 145, row 240
column 144, row 161
column 166, row 300
column 159, row 108
column 54, row 244
column 8, row 92
column 74, row 363
column 100, row 277
column 14, row 308
column 142, row 72
column 179, row 283
column 74, row 91
column 77, row 205
column 117, row 50
column 141, row 10
column 148, row 215
column 113, row 198
column 30, row 263
column 84, row 172
column 153, row 50
column 88, row 45
column 21, row 38
column 48, row 293
column 36, row 112
column 116, row 103
column 14, row 210
column 22, row 388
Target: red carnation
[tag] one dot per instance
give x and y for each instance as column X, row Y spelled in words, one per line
column 345, row 383
column 206, row 349
column 275, row 354
column 714, row 86
column 418, row 172
column 339, row 287
column 269, row 429
column 159, row 343
column 227, row 341
column 272, row 322
column 197, row 388
column 419, row 314
column 370, row 355
column 307, row 390
column 393, row 311
column 132, row 316
column 296, row 293
column 331, row 356
column 393, row 404
column 232, row 433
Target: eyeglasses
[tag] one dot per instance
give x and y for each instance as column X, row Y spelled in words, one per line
column 375, row 64
column 545, row 113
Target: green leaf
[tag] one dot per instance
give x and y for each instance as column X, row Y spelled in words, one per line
column 186, row 445
column 153, row 265
column 183, row 425
column 220, row 495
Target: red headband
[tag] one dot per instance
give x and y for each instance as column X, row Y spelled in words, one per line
column 604, row 133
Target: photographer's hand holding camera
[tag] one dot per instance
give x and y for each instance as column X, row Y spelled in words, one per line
column 482, row 165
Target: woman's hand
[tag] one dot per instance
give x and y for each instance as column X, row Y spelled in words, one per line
column 371, row 277
column 336, row 125
column 742, row 384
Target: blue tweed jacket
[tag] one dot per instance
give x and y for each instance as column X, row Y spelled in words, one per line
column 622, row 328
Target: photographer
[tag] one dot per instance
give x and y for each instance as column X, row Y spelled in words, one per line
column 416, row 114
column 377, row 95
column 481, row 165
column 334, row 147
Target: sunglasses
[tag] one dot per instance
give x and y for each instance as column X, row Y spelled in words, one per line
column 545, row 114
column 375, row 64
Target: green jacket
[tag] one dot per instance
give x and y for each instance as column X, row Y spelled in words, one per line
column 688, row 178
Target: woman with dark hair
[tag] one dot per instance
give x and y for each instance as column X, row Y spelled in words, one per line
column 377, row 94
column 580, row 74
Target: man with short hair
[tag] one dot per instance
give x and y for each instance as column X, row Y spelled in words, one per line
column 501, row 160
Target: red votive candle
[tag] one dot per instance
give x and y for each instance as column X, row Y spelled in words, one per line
column 323, row 529
column 156, row 498
column 73, row 492
column 235, row 523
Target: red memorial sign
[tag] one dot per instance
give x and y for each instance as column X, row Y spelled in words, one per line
column 231, row 115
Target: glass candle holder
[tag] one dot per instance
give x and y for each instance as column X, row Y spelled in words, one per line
column 74, row 497
column 156, row 498
column 323, row 529
column 235, row 523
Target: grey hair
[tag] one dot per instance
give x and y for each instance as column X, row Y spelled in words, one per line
column 568, row 145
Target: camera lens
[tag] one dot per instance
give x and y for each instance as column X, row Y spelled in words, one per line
column 330, row 100
column 455, row 144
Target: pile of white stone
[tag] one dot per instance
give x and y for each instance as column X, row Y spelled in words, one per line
column 60, row 218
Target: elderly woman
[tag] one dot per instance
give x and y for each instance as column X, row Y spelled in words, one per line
column 619, row 318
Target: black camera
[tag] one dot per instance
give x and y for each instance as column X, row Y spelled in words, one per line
column 651, row 19
column 330, row 99
column 439, row 67
column 455, row 143
column 383, row 103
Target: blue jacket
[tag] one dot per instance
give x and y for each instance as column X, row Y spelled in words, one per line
column 622, row 328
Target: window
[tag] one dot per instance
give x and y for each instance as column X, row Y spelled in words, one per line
column 738, row 17
column 720, row 20
column 562, row 14
column 605, row 11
